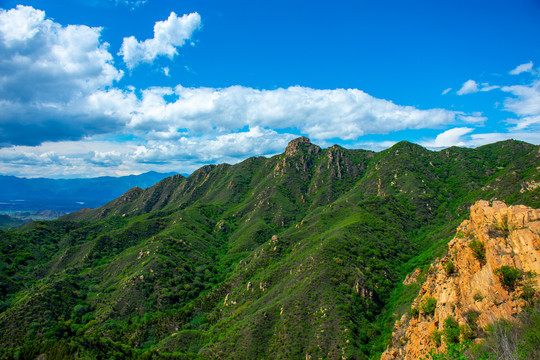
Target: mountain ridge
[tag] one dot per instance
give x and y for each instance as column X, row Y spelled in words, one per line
column 300, row 254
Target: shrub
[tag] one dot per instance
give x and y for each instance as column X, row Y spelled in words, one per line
column 509, row 276
column 513, row 340
column 479, row 251
column 449, row 267
column 466, row 331
column 428, row 305
column 415, row 312
column 453, row 352
column 472, row 317
column 436, row 337
column 451, row 331
column 528, row 292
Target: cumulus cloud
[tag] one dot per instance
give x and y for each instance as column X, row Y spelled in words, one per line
column 48, row 70
column 469, row 87
column 43, row 60
column 522, row 68
column 451, row 137
column 168, row 35
column 321, row 114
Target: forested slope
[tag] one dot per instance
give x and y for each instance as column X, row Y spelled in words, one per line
column 301, row 254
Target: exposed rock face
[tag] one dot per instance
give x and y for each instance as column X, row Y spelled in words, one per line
column 295, row 146
column 470, row 291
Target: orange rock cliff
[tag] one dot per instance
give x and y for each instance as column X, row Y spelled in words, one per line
column 465, row 283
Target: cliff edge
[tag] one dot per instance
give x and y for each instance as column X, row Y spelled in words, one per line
column 488, row 274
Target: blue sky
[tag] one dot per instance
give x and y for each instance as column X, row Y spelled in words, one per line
column 116, row 87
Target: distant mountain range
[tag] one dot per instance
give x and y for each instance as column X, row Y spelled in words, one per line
column 67, row 195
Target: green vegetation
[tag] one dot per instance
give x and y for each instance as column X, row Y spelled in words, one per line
column 301, row 253
column 436, row 337
column 505, row 339
column 451, row 331
column 429, row 305
column 478, row 250
column 453, row 352
column 512, row 340
column 449, row 267
column 509, row 276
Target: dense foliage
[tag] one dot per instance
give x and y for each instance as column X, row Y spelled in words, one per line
column 299, row 254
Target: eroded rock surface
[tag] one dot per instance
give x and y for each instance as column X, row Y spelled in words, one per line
column 464, row 283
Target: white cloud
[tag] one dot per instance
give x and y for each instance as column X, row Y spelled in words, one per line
column 48, row 70
column 526, row 122
column 42, row 59
column 465, row 138
column 475, row 118
column 522, row 68
column 489, row 138
column 446, row 91
column 99, row 157
column 451, row 137
column 486, row 87
column 168, row 35
column 321, row 114
column 131, row 3
column 469, row 86
column 373, row 145
column 526, row 101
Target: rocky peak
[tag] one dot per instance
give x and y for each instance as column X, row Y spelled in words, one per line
column 300, row 144
column 131, row 194
column 466, row 284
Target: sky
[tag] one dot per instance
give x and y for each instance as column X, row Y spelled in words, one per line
column 116, row 87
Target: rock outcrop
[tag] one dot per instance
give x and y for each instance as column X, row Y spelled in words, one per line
column 466, row 284
column 297, row 145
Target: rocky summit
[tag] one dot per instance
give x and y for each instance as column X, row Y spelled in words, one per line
column 303, row 255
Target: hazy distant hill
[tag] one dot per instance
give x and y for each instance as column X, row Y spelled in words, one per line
column 7, row 222
column 22, row 194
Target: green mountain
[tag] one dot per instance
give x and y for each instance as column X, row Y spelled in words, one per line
column 297, row 256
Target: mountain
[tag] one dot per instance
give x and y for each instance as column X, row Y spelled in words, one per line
column 67, row 195
column 301, row 255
